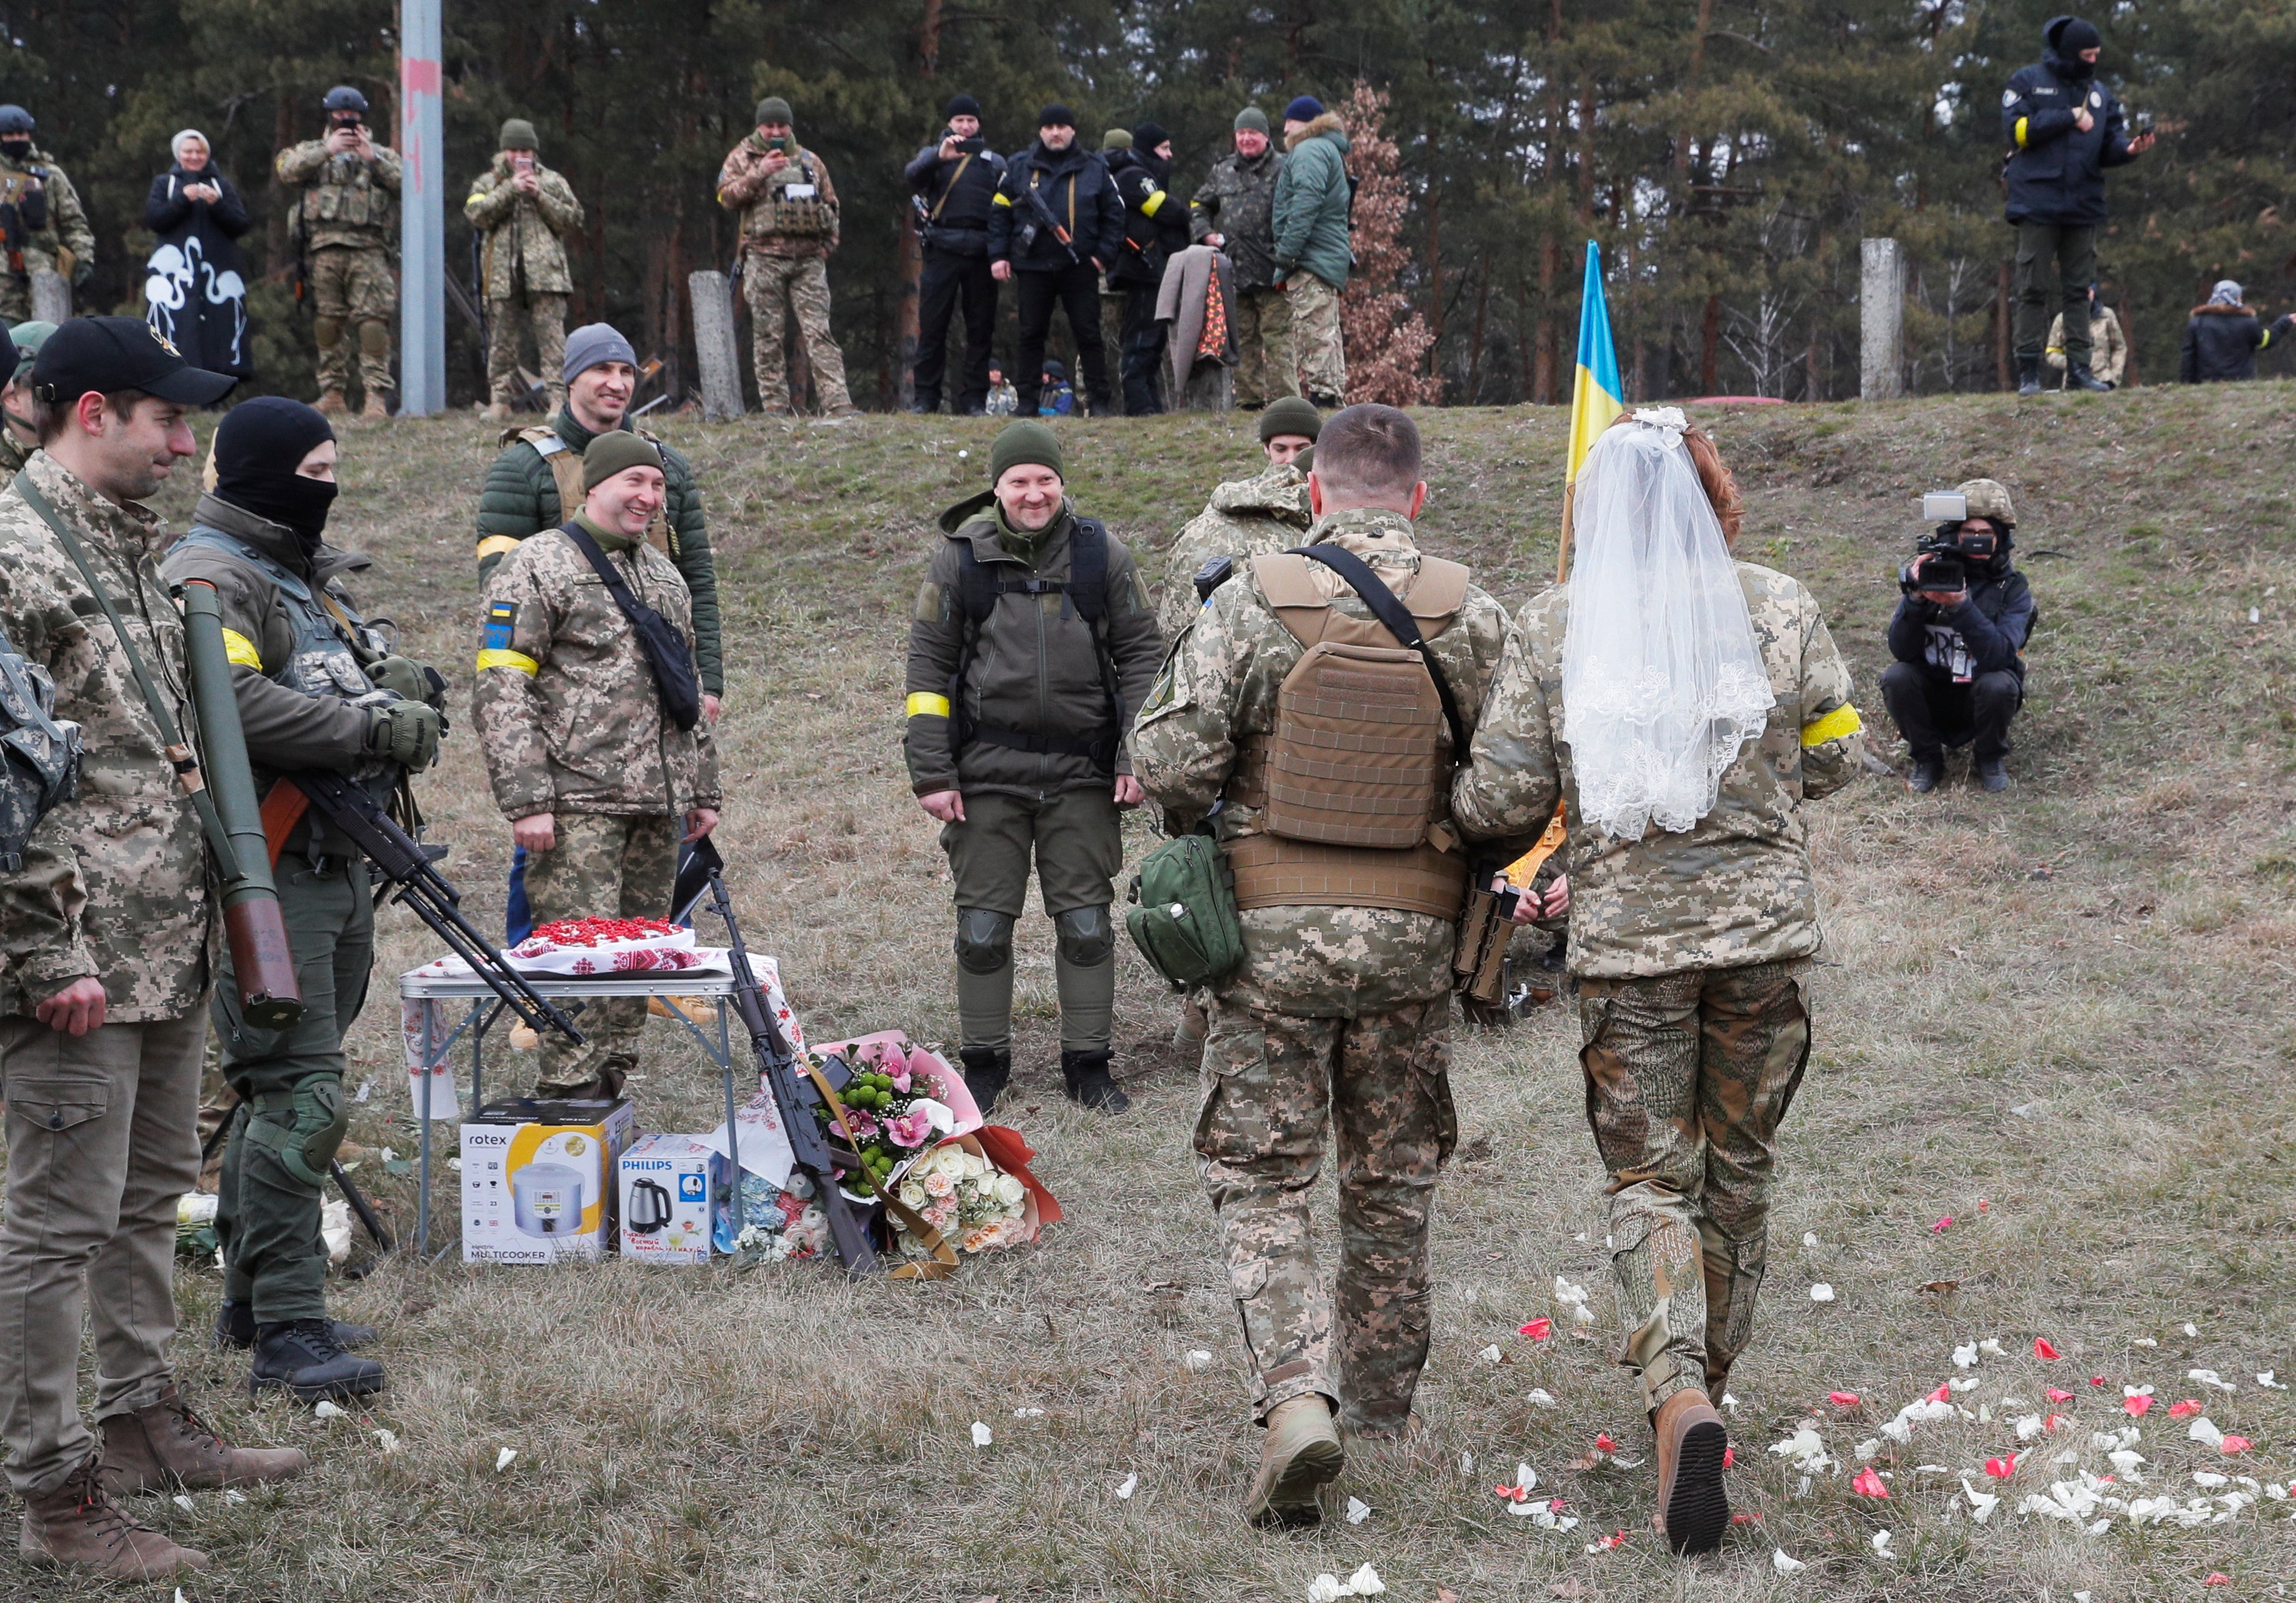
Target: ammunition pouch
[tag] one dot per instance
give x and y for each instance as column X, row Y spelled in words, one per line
column 1479, row 963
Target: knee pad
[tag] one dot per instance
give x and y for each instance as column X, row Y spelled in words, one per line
column 1086, row 936
column 303, row 1127
column 328, row 332
column 984, row 940
column 374, row 338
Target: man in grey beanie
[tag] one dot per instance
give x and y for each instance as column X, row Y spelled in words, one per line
column 1235, row 211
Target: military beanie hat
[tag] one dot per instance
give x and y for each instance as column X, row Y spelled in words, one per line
column 1116, row 139
column 1291, row 414
column 1021, row 444
column 1254, row 117
column 518, row 134
column 616, row 452
column 775, row 109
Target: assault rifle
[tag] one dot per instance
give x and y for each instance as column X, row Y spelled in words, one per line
column 1043, row 212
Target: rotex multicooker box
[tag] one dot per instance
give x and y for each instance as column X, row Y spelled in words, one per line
column 539, row 1179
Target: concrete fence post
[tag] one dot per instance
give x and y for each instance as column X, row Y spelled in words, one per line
column 51, row 297
column 1880, row 320
column 715, row 345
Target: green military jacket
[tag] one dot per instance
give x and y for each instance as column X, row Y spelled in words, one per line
column 524, row 250
column 1219, row 686
column 1033, row 668
column 522, row 497
column 67, row 228
column 792, row 211
column 1245, row 518
column 114, row 884
column 1237, row 200
column 567, row 711
column 1736, row 889
column 345, row 202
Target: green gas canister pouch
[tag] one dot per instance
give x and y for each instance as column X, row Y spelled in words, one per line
column 1184, row 919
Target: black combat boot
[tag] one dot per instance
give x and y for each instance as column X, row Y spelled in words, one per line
column 1928, row 772
column 987, row 1071
column 1084, row 1079
column 2080, row 378
column 303, row 1356
column 234, row 1327
column 1993, row 774
column 2029, row 375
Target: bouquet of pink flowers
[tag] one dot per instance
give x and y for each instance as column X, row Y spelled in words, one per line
column 896, row 1104
column 955, row 1189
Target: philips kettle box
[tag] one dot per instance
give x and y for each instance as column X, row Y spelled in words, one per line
column 676, row 1196
column 538, row 1179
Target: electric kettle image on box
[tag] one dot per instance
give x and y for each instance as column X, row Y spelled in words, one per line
column 547, row 1199
column 649, row 1208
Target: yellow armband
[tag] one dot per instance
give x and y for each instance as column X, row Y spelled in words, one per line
column 924, row 704
column 497, row 544
column 1842, row 720
column 509, row 659
column 241, row 651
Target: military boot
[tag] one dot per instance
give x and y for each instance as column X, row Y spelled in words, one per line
column 496, row 412
column 1085, row 1081
column 987, row 1069
column 302, row 1356
column 1993, row 775
column 164, row 1448
column 1193, row 1028
column 78, row 1526
column 332, row 404
column 2029, row 375
column 1693, row 1503
column 2078, row 377
column 1301, row 1451
column 234, row 1327
column 374, row 411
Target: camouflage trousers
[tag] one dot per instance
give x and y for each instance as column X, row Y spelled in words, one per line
column 1263, row 347
column 507, row 317
column 605, row 865
column 799, row 284
column 1688, row 1077
column 353, row 293
column 1316, row 344
column 1272, row 1081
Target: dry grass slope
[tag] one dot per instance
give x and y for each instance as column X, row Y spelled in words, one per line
column 2061, row 1018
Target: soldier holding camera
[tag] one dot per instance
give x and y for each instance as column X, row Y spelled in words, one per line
column 1959, row 638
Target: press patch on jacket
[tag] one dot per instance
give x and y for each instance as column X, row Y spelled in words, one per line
column 501, row 616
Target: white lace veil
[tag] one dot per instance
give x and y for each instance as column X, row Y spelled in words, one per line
column 1662, row 678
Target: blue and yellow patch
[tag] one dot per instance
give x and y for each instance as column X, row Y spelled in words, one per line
column 501, row 615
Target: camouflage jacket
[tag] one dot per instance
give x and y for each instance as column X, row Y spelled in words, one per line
column 14, row 454
column 1219, row 685
column 1237, row 202
column 115, row 881
column 1245, row 518
column 565, row 701
column 1736, row 889
column 66, row 229
column 345, row 202
column 778, row 217
column 523, row 249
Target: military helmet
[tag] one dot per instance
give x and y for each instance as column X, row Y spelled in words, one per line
column 343, row 97
column 1990, row 498
column 14, row 119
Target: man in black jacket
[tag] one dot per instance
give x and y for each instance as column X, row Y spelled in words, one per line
column 955, row 183
column 1959, row 677
column 2063, row 129
column 2223, row 336
column 1155, row 226
column 1071, row 196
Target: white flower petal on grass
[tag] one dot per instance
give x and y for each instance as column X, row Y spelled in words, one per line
column 2191, row 1328
column 183, row 1502
column 232, row 1494
column 1466, row 1463
column 1365, row 1582
column 1821, row 1293
column 2267, row 1379
column 1867, row 1448
column 1325, row 1588
column 1196, row 1358
column 326, row 1410
column 1991, row 1347
column 1540, row 1397
column 1809, row 1239
column 2210, row 1377
column 1730, row 1403
column 1490, row 1354
column 2080, row 1597
column 2124, row 1461
column 2029, row 1428
column 1783, row 1565
column 1525, row 1476
column 981, row 1435
column 505, row 1458
column 1359, row 1510
column 1028, row 1413
column 2210, row 1479
column 1964, row 1357
column 1981, row 1504
column 2203, row 1431
column 2143, row 1341
column 1882, row 1544
column 386, row 1441
column 1131, row 1485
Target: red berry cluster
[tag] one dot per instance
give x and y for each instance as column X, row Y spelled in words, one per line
column 591, row 931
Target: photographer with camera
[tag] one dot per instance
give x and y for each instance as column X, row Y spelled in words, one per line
column 1959, row 636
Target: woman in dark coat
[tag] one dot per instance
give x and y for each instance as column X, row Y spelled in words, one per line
column 192, row 290
column 2222, row 338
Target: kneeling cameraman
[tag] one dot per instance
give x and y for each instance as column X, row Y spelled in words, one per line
column 1959, row 638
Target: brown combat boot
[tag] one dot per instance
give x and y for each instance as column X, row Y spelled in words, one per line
column 374, row 411
column 1693, row 1503
column 164, row 1448
column 332, row 404
column 1300, row 1453
column 78, row 1526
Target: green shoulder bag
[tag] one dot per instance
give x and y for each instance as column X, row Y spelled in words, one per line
column 1184, row 919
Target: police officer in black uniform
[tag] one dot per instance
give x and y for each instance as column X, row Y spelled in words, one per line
column 955, row 183
column 1155, row 226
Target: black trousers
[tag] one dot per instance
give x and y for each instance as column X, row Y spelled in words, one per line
column 1075, row 291
column 1932, row 712
column 1144, row 352
column 2071, row 250
column 950, row 278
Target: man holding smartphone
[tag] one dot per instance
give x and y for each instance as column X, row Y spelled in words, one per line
column 523, row 211
column 790, row 225
column 348, row 214
column 956, row 183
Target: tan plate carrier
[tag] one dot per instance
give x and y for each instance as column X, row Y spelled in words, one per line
column 565, row 464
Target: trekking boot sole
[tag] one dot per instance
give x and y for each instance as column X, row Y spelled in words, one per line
column 333, row 1391
column 1697, row 1510
column 1291, row 1499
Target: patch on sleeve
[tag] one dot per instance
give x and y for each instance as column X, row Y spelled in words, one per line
column 502, row 616
column 929, row 603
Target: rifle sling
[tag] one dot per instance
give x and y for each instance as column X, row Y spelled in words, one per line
column 943, row 1261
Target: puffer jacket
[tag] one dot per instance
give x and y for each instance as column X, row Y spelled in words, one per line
column 1311, row 204
column 2221, row 342
column 2056, row 172
column 1034, row 668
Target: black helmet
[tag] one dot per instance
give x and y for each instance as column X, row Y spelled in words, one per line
column 14, row 119
column 343, row 97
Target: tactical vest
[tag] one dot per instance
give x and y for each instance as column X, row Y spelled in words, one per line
column 1084, row 589
column 1353, row 783
column 346, row 196
column 565, row 464
column 803, row 215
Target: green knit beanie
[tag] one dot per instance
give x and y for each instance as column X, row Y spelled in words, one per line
column 1025, row 443
column 616, row 452
column 1289, row 416
column 1116, row 139
column 1251, row 116
column 774, row 109
column 518, row 134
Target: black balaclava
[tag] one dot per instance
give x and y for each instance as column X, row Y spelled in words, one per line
column 257, row 447
column 2076, row 36
column 17, row 148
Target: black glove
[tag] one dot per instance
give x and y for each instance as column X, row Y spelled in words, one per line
column 82, row 271
column 407, row 733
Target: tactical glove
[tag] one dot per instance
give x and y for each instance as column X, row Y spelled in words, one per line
column 81, row 273
column 410, row 681
column 407, row 733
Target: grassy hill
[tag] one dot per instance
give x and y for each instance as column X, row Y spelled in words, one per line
column 2059, row 1017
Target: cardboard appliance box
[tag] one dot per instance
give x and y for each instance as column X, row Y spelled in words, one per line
column 538, row 1179
column 675, row 1195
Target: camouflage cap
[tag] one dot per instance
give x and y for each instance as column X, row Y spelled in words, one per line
column 518, row 134
column 1990, row 498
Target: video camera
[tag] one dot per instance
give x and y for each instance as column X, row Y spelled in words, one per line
column 1942, row 560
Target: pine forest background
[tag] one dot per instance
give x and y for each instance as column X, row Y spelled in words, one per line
column 1727, row 154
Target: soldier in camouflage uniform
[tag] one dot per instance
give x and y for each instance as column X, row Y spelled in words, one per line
column 790, row 219
column 346, row 219
column 1341, row 1012
column 1691, row 950
column 18, row 438
column 599, row 781
column 105, row 929
column 524, row 211
column 1245, row 517
column 1234, row 209
column 46, row 225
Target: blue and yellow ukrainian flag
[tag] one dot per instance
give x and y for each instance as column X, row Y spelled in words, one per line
column 1595, row 392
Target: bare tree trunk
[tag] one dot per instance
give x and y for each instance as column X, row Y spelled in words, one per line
column 1475, row 350
column 910, row 265
column 1710, row 344
column 1542, row 386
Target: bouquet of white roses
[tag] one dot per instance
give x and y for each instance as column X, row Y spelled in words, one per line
column 974, row 1205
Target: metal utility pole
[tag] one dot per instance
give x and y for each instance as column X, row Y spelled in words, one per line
column 423, row 226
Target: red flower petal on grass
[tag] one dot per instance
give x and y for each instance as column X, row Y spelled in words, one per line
column 2058, row 1395
column 2053, row 1421
column 1602, row 1443
column 1729, row 1455
column 2135, row 1406
column 2045, row 1351
column 1617, row 1539
column 2000, row 1469
column 1844, row 1399
column 1868, row 1483
column 2217, row 1578
column 1539, row 1329
column 2178, row 1411
column 1942, row 1225
column 1944, row 1394
column 1513, row 1494
column 2233, row 1444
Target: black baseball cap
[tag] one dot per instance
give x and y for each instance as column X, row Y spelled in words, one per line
column 108, row 354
